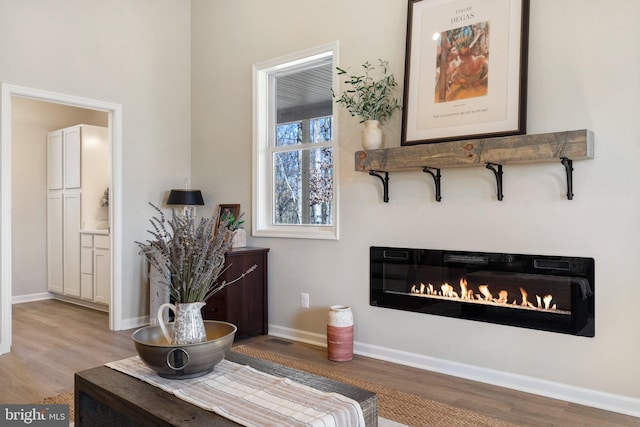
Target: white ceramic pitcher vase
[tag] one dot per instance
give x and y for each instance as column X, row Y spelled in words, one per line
column 371, row 135
column 188, row 326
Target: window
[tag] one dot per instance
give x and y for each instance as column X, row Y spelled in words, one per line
column 294, row 152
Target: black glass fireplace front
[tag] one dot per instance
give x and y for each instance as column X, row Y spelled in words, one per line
column 549, row 293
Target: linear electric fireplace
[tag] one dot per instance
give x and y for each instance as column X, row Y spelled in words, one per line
column 549, row 293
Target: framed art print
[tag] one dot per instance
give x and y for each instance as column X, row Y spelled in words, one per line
column 223, row 209
column 465, row 70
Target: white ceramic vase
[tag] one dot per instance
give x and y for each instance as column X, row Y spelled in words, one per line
column 239, row 239
column 188, row 327
column 371, row 135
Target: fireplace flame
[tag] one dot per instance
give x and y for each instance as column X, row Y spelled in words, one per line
column 484, row 290
column 485, row 296
column 502, row 297
column 447, row 291
column 464, row 292
column 525, row 302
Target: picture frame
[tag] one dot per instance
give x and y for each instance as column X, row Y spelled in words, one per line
column 234, row 208
column 481, row 88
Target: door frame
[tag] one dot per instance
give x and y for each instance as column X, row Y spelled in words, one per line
column 114, row 112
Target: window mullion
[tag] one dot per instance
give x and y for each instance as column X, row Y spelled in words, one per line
column 305, row 164
column 308, row 146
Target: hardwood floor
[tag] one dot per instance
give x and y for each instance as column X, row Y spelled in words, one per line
column 52, row 340
column 516, row 407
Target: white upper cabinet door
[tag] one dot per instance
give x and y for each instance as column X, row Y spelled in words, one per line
column 54, row 160
column 72, row 155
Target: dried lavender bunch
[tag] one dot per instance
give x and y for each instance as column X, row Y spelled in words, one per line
column 192, row 257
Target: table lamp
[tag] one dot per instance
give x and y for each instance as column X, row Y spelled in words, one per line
column 186, row 198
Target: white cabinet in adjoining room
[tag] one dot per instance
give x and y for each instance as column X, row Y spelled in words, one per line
column 102, row 268
column 86, row 266
column 72, row 150
column 95, row 261
column 71, row 242
column 54, row 160
column 63, row 158
column 55, row 243
column 77, row 181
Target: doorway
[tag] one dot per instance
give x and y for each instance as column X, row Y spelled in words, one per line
column 114, row 114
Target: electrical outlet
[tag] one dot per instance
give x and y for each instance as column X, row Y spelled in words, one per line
column 304, row 300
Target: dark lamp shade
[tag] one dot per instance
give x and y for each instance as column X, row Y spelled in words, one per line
column 185, row 198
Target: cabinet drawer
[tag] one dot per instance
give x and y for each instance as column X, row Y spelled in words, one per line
column 100, row 241
column 86, row 240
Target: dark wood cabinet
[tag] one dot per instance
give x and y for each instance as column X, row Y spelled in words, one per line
column 243, row 303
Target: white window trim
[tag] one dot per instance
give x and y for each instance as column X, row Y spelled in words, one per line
column 262, row 224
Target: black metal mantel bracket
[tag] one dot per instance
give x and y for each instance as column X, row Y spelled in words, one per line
column 568, row 166
column 494, row 167
column 385, row 184
column 436, row 180
column 498, row 173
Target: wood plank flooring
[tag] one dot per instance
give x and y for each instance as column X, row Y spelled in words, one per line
column 53, row 339
column 516, row 407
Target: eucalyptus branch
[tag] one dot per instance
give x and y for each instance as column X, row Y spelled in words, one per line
column 368, row 98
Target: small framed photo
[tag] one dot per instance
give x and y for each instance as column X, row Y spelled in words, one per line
column 234, row 209
column 465, row 70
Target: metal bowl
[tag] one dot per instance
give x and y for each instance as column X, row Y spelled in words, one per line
column 186, row 360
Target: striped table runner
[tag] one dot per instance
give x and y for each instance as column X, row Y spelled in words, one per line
column 253, row 398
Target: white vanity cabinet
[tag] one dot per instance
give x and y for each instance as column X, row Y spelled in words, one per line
column 95, row 262
column 86, row 266
column 102, row 269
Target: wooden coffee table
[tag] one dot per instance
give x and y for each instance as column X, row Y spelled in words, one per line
column 106, row 397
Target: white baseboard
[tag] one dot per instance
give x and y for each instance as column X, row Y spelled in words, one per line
column 135, row 322
column 579, row 395
column 297, row 335
column 81, row 302
column 18, row 299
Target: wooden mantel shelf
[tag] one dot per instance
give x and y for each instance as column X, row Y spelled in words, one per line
column 489, row 152
column 574, row 145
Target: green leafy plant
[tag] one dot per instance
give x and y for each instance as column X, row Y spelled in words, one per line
column 191, row 257
column 232, row 222
column 369, row 98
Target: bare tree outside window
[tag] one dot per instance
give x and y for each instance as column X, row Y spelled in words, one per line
column 304, row 177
